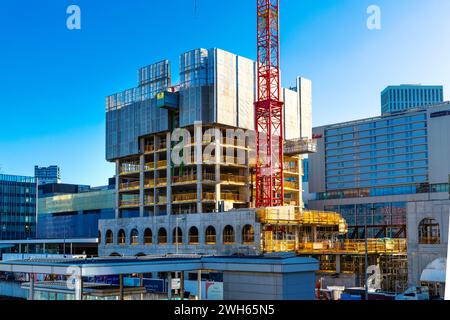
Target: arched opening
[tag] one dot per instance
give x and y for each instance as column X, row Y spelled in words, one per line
column 141, row 255
column 148, row 237
column 193, row 235
column 134, row 237
column 177, row 236
column 211, row 235
column 115, row 254
column 248, row 234
column 109, row 237
column 228, row 235
column 429, row 232
column 121, row 237
column 162, row 236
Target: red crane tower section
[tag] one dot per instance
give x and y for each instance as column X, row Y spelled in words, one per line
column 269, row 109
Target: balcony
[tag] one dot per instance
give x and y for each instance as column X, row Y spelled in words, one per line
column 129, row 186
column 130, row 203
column 233, row 179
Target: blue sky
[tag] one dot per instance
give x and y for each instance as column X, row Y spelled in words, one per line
column 53, row 81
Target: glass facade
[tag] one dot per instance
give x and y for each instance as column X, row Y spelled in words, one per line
column 404, row 97
column 74, row 215
column 17, row 207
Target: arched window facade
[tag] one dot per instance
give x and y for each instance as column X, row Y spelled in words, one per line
column 109, row 237
column 429, row 232
column 228, row 235
column 177, row 236
column 248, row 234
column 121, row 238
column 134, row 237
column 210, row 235
column 162, row 236
column 193, row 235
column 148, row 237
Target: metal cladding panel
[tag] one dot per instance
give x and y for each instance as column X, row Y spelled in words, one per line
column 291, row 115
column 226, row 88
column 246, row 93
column 125, row 126
column 304, row 88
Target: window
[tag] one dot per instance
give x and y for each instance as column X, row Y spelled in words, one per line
column 122, row 237
column 429, row 232
column 177, row 236
column 228, row 235
column 193, row 235
column 248, row 234
column 162, row 236
column 109, row 237
column 211, row 235
column 134, row 237
column 148, row 237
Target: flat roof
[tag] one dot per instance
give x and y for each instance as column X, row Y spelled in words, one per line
column 114, row 266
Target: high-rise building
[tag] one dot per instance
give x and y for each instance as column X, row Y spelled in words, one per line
column 374, row 167
column 214, row 105
column 47, row 175
column 404, row 97
column 18, row 196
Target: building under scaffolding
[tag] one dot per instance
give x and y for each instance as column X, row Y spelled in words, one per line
column 185, row 170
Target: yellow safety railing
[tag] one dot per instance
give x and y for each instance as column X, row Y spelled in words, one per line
column 291, row 185
column 130, row 203
column 149, row 166
column 161, row 182
column 161, row 164
column 130, row 185
column 232, row 178
column 149, row 148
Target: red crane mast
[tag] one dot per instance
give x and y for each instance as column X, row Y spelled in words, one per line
column 269, row 109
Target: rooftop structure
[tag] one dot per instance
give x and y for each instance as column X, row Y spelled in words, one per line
column 47, row 175
column 405, row 97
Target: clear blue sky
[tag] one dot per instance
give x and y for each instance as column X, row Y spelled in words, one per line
column 53, row 81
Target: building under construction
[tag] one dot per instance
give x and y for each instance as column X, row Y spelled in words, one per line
column 206, row 203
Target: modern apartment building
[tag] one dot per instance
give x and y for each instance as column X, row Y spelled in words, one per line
column 47, row 175
column 18, row 197
column 404, row 97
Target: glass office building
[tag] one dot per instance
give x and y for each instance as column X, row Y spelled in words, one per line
column 373, row 167
column 404, row 97
column 17, row 207
column 47, row 175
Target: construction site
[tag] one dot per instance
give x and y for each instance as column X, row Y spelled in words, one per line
column 238, row 189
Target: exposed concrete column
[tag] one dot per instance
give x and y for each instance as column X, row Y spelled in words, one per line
column 31, row 290
column 169, row 285
column 169, row 174
column 182, row 285
column 156, row 175
column 117, row 189
column 142, row 180
column 300, row 183
column 141, row 284
column 338, row 263
column 314, row 233
column 199, row 161
column 218, row 158
column 121, row 287
column 199, row 284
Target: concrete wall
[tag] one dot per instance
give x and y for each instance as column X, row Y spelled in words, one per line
column 219, row 221
column 420, row 255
